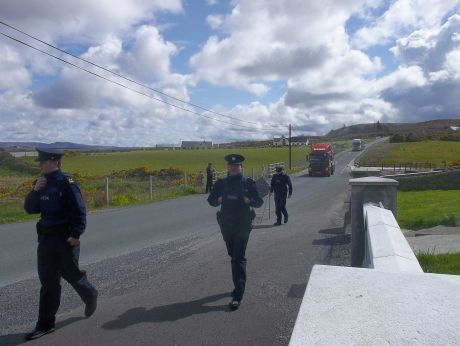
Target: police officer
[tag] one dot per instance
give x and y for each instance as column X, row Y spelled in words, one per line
column 280, row 184
column 236, row 194
column 62, row 221
column 209, row 177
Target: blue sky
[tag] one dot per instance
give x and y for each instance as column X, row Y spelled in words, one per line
column 264, row 63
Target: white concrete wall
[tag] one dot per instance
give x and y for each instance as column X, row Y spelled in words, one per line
column 359, row 306
column 392, row 302
column 386, row 247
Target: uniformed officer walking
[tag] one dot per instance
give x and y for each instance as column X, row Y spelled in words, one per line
column 236, row 194
column 62, row 221
column 209, row 177
column 280, row 184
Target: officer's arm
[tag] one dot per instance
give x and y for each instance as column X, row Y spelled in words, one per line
column 254, row 197
column 77, row 210
column 32, row 202
column 216, row 192
column 272, row 184
column 289, row 185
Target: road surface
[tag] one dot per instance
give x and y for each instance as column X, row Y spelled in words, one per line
column 164, row 276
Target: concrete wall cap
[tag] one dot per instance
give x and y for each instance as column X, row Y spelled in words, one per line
column 358, row 306
column 373, row 181
column 365, row 169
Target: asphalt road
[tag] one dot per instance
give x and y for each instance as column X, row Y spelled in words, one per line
column 164, row 276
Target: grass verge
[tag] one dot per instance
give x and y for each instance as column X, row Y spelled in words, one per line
column 438, row 153
column 441, row 264
column 424, row 209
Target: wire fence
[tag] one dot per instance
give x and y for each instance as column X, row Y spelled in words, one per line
column 401, row 167
column 119, row 190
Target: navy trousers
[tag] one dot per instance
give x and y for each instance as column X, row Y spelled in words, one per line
column 235, row 228
column 56, row 259
column 280, row 206
column 236, row 249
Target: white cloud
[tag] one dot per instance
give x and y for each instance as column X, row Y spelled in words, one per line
column 271, row 40
column 214, row 21
column 300, row 47
column 84, row 21
column 404, row 16
column 452, row 63
column 13, row 73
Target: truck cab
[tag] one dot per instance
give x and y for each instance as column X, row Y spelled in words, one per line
column 357, row 145
column 321, row 160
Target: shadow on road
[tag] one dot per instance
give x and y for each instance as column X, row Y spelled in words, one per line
column 341, row 239
column 297, row 290
column 171, row 312
column 262, row 226
column 18, row 339
column 337, row 230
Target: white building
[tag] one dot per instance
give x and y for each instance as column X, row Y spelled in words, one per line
column 196, row 145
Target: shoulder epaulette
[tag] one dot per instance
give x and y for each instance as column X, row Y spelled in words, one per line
column 70, row 179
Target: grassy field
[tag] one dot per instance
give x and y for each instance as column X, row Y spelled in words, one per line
column 424, row 209
column 440, row 264
column 189, row 160
column 435, row 152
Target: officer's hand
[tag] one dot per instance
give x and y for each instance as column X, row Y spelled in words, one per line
column 219, row 200
column 247, row 200
column 40, row 183
column 73, row 241
column 289, row 196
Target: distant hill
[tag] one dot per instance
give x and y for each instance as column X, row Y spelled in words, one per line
column 387, row 129
column 56, row 145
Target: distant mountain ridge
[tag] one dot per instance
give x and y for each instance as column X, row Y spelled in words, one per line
column 56, row 145
column 386, row 129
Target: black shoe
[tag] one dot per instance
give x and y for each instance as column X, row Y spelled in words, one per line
column 38, row 333
column 91, row 306
column 234, row 304
column 285, row 220
column 277, row 223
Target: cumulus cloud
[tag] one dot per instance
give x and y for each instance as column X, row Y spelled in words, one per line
column 427, row 87
column 324, row 77
column 14, row 73
column 84, row 21
column 404, row 16
column 269, row 40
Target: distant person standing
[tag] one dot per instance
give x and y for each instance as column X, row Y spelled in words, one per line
column 236, row 194
column 62, row 221
column 199, row 181
column 281, row 185
column 209, row 177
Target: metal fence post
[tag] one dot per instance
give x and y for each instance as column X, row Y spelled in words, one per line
column 185, row 181
column 252, row 173
column 151, row 187
column 107, row 190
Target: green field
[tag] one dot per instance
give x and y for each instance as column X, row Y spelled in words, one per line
column 191, row 161
column 440, row 264
column 438, row 153
column 424, row 209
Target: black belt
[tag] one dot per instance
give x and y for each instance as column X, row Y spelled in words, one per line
column 63, row 229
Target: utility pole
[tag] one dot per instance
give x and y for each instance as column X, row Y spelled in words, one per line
column 290, row 161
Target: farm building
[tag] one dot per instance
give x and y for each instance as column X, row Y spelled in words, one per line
column 196, row 145
column 283, row 141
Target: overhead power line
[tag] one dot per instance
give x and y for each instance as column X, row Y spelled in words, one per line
column 134, row 90
column 124, row 77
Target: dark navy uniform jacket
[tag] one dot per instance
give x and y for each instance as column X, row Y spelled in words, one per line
column 233, row 189
column 281, row 183
column 60, row 203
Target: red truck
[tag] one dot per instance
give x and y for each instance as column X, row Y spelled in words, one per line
column 321, row 159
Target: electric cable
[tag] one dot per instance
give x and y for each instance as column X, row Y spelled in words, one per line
column 129, row 79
